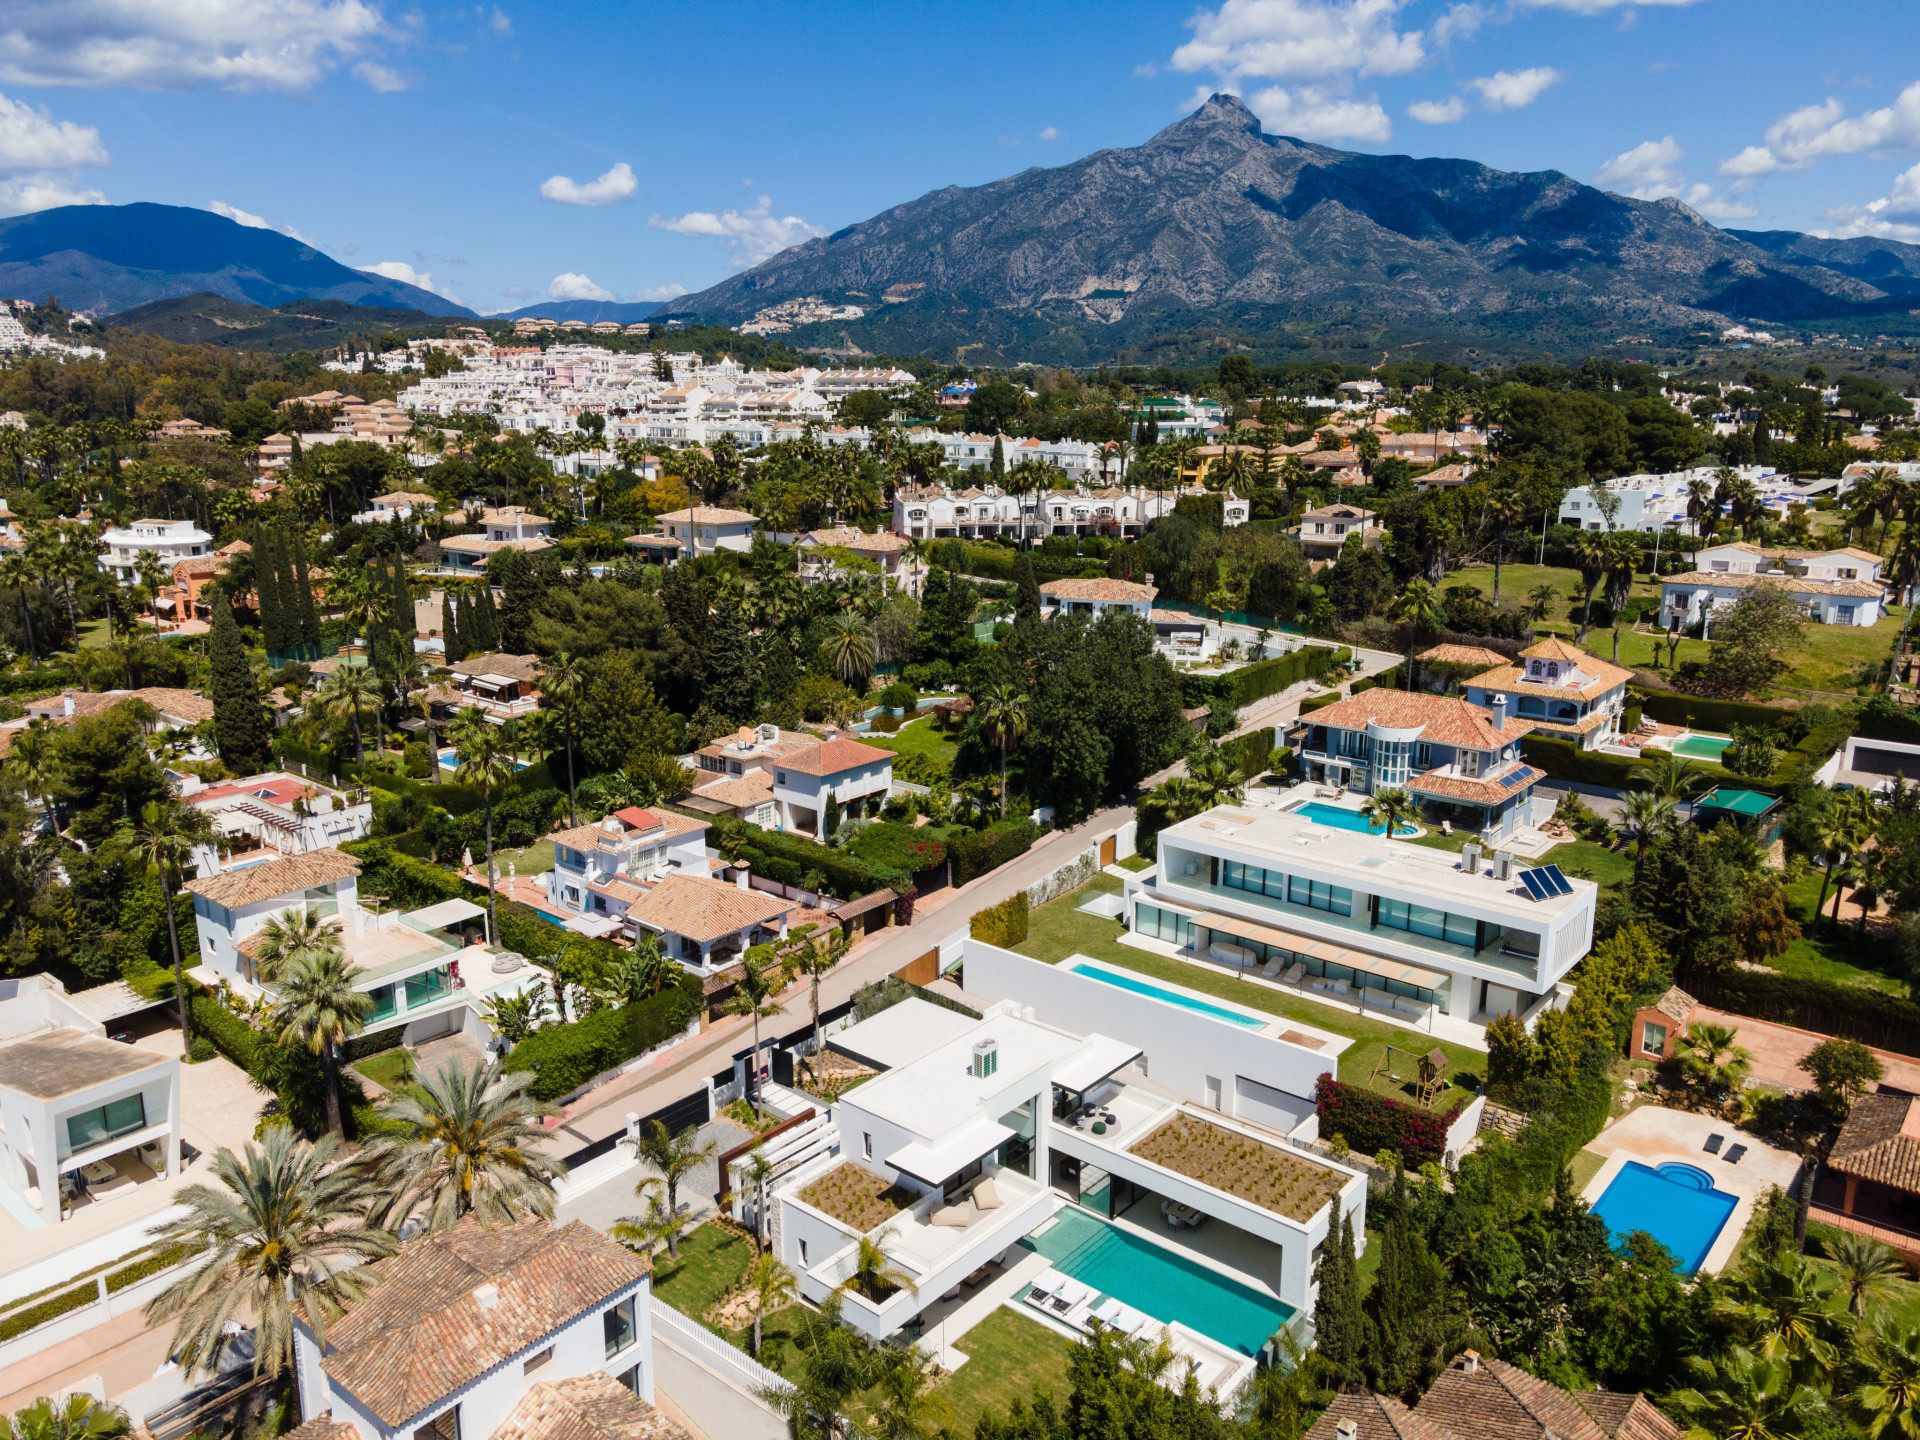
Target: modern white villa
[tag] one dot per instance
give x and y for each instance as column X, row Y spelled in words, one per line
column 1323, row 905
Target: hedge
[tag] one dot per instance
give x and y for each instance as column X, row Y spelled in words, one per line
column 406, row 881
column 33, row 681
column 231, row 1036
column 1004, row 924
column 1883, row 718
column 789, row 859
column 564, row 1057
column 1674, row 708
column 974, row 855
column 1320, row 702
column 1564, row 760
column 452, row 798
column 35, row 1316
column 1371, row 1123
column 1269, row 677
column 1252, row 752
column 899, row 846
column 1872, row 1017
column 153, row 1264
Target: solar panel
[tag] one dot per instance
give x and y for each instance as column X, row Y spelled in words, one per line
column 1549, row 879
column 1507, row 782
column 1531, row 879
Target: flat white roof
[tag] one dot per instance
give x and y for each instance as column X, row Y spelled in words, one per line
column 936, row 1094
column 933, row 1161
column 902, row 1033
column 1101, row 1056
column 447, row 912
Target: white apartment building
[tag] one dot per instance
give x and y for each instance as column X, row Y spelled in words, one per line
column 165, row 540
column 1835, row 587
column 935, row 512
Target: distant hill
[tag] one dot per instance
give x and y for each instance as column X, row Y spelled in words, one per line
column 119, row 256
column 1213, row 233
column 1887, row 265
column 209, row 319
column 591, row 311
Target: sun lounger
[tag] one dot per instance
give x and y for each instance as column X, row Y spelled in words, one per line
column 1714, row 1142
column 1074, row 1293
column 1735, row 1155
column 1294, row 975
column 1107, row 1311
column 1130, row 1321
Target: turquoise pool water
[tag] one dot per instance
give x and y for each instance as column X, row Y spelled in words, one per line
column 1172, row 997
column 1701, row 747
column 1159, row 1282
column 1338, row 819
column 1675, row 1204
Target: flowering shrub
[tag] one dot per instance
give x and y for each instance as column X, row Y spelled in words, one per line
column 1372, row 1123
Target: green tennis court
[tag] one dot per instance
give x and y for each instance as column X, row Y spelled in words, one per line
column 1747, row 804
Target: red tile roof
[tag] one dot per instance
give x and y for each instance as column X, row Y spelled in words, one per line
column 274, row 878
column 1443, row 719
column 586, row 1407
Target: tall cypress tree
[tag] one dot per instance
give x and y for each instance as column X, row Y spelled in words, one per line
column 479, row 630
column 285, row 634
column 242, row 731
column 1026, row 588
column 731, row 679
column 400, row 617
column 303, row 595
column 450, row 626
column 266, row 588
column 1337, row 1322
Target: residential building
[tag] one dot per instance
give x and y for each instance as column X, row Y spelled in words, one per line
column 121, row 547
column 1095, row 597
column 599, row 870
column 533, row 1331
column 173, row 709
column 1658, row 1029
column 1688, row 600
column 1560, row 690
column 796, row 771
column 935, row 512
column 1323, row 531
column 705, row 529
column 512, row 528
column 708, row 924
column 274, row 812
column 1461, row 761
column 1474, row 1398
column 400, row 505
column 1738, row 557
column 76, row 1104
column 1650, row 502
column 891, row 555
column 1360, row 918
column 1872, row 1174
column 502, row 687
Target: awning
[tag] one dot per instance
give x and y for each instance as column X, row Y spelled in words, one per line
column 1094, row 1062
column 1326, row 951
column 594, row 927
column 447, row 912
column 934, row 1161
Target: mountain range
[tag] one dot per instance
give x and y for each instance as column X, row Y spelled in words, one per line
column 1213, row 235
column 622, row 312
column 108, row 258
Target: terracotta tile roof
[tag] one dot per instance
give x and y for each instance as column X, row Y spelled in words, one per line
column 514, row 667
column 1461, row 655
column 625, row 891
column 422, row 1332
column 1626, row 1417
column 587, row 1407
column 1676, row 1004
column 1792, row 584
column 825, row 757
column 849, row 538
column 753, row 788
column 1443, row 719
column 1881, row 1141
column 254, row 883
column 709, row 515
column 1477, row 792
column 706, row 910
column 1507, row 678
column 323, row 1427
column 1117, row 591
column 1498, row 1402
column 175, row 704
column 1375, row 1417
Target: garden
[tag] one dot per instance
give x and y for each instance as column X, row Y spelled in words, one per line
column 1240, row 1165
column 856, row 1198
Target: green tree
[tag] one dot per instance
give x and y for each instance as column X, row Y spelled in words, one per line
column 1841, row 1070
column 1390, row 809
column 561, row 682
column 1888, row 1400
column 1708, row 1056
column 243, row 731
column 1511, row 1053
column 672, row 1157
column 848, row 650
column 164, row 839
column 1867, row 1271
column 618, row 716
column 732, row 681
column 352, row 690
column 309, row 614
column 1338, row 1320
column 1424, row 613
column 77, row 1417
column 320, row 1009
column 773, row 1285
column 287, row 1236
column 1748, row 635
column 486, row 766
column 753, row 997
column 1410, row 1321
column 1026, row 588
column 1739, row 1395
column 873, row 1273
column 1003, row 720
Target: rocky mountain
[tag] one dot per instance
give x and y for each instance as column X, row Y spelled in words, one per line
column 113, row 257
column 1214, row 233
column 1887, row 265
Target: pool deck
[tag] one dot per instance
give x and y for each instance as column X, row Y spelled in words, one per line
column 1655, row 1135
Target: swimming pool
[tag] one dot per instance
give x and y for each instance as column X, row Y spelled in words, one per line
column 1171, row 997
column 1158, row 1281
column 1338, row 819
column 1675, row 1204
column 1701, row 747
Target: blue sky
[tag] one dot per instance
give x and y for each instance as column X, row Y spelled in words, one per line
column 513, row 153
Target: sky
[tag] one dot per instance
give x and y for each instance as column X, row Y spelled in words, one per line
column 506, row 154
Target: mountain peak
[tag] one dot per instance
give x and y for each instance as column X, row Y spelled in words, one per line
column 1222, row 112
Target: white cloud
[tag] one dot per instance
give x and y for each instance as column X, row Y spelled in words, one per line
column 379, row 78
column 617, row 184
column 285, row 45
column 28, row 193
column 499, row 23
column 1796, row 140
column 672, row 291
column 1438, row 112
column 1873, row 217
column 1311, row 112
column 407, row 275
column 1049, row 133
column 1461, row 22
column 255, row 222
column 1300, row 40
column 571, row 286
column 32, row 139
column 1515, row 89
column 1145, row 72
column 1649, row 171
column 1702, row 199
column 751, row 235
column 1596, row 7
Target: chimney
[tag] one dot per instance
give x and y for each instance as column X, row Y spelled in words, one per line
column 743, row 877
column 1470, row 1361
column 1347, row 1430
column 1499, row 708
column 519, row 522
column 486, row 1296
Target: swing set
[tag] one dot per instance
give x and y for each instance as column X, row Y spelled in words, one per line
column 1428, row 1071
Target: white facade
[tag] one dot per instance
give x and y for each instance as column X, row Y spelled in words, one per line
column 166, row 541
column 277, row 811
column 600, row 869
column 706, row 529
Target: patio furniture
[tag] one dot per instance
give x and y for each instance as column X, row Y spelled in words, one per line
column 97, row 1173
column 153, row 1155
column 1295, row 974
column 1230, row 954
column 1107, row 1311
column 1131, row 1322
column 1271, row 968
column 1714, row 1142
column 1735, row 1155
column 114, row 1189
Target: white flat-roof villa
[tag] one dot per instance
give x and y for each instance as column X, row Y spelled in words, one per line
column 1094, row 1149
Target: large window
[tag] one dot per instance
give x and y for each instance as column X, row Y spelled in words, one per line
column 1319, row 895
column 428, row 986
column 619, row 1326
column 1168, row 925
column 1390, row 761
column 108, row 1122
column 1314, row 894
column 384, row 1004
column 1428, row 921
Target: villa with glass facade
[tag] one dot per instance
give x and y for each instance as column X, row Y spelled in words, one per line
column 1357, row 918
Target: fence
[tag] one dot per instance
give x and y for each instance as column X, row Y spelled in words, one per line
column 734, row 1364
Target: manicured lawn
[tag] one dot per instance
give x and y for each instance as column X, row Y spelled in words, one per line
column 711, row 1264
column 1008, row 1356
column 535, row 859
column 1369, row 1265
column 1138, row 862
column 920, row 737
column 1606, row 868
column 1057, row 930
column 1822, row 953
column 390, row 1069
column 1583, row 1167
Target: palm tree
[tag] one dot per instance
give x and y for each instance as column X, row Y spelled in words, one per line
column 909, row 1407
column 659, row 1226
column 1506, row 507
column 1784, row 1311
column 1743, row 1396
column 1421, row 607
column 674, row 1157
column 1540, row 602
column 751, row 997
column 1623, row 554
column 1890, row 1397
column 163, row 840
column 1643, row 816
column 34, row 757
column 1592, row 556
column 1393, row 807
column 483, row 765
column 773, row 1285
column 78, row 1417
column 287, row 1236
column 848, row 647
column 562, row 684
column 349, row 690
column 1707, row 1053
column 812, row 956
column 467, row 1146
column 1866, row 1270
column 1212, row 779
column 831, row 1366
column 874, row 1275
column 1699, row 505
column 1003, row 719
column 320, row 1009
column 1673, row 778
column 290, row 936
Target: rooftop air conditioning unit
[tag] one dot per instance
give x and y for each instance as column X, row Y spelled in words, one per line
column 1503, row 866
column 1470, row 859
column 986, row 1058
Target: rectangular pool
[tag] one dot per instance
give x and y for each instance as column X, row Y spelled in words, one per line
column 1701, row 747
column 1338, row 819
column 1159, row 1282
column 1675, row 1204
column 1170, row 997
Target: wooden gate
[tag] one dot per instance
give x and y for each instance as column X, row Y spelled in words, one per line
column 1107, row 847
column 923, row 971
